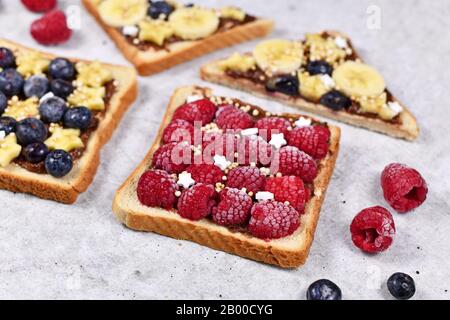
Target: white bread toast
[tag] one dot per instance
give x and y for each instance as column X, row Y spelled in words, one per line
column 405, row 128
column 148, row 62
column 288, row 252
column 66, row 189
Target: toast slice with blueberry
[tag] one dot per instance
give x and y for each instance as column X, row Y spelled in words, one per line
column 322, row 74
column 59, row 112
column 210, row 203
column 158, row 35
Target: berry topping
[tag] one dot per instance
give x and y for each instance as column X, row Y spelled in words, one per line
column 7, row 59
column 290, row 189
column 51, row 28
column 233, row 209
column 173, row 157
column 249, row 178
column 253, row 150
column 156, row 188
column 319, row 67
column 285, row 84
column 58, row 163
column 61, row 68
column 373, row 229
column 39, row 5
column 311, row 139
column 61, row 88
column 403, row 187
column 272, row 220
column 205, row 173
column 52, row 109
column 35, row 86
column 216, row 143
column 292, row 161
column 30, row 130
column 272, row 124
column 11, row 82
column 323, row 289
column 178, row 130
column 160, row 9
column 197, row 202
column 202, row 110
column 230, row 117
column 335, row 100
column 3, row 102
column 401, row 286
column 35, row 152
column 78, row 118
column 8, row 125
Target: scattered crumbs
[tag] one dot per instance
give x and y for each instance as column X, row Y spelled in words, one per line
column 445, row 290
column 344, row 202
column 417, row 272
column 220, row 296
column 419, row 248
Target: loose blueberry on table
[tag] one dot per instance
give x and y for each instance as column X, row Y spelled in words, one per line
column 401, row 286
column 323, row 289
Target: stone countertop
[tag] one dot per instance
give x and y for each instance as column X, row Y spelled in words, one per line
column 49, row 250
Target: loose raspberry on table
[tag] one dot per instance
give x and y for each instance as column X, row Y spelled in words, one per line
column 403, row 187
column 173, row 157
column 273, row 125
column 202, row 110
column 272, row 220
column 51, row 28
column 373, row 229
column 205, row 173
column 249, row 178
column 178, row 130
column 290, row 189
column 156, row 188
column 197, row 202
column 291, row 161
column 39, row 5
column 314, row 140
column 233, row 209
column 230, row 117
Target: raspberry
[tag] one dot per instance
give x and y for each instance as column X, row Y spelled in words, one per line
column 172, row 157
column 249, row 178
column 178, row 130
column 202, row 110
column 197, row 202
column 272, row 220
column 403, row 187
column 205, row 173
column 39, row 5
column 255, row 150
column 51, row 28
column 373, row 229
column 273, row 124
column 233, row 209
column 230, row 117
column 156, row 188
column 292, row 161
column 311, row 139
column 216, row 143
column 288, row 188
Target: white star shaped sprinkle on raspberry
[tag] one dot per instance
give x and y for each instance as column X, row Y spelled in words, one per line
column 278, row 140
column 185, row 180
column 303, row 122
column 264, row 195
column 221, row 162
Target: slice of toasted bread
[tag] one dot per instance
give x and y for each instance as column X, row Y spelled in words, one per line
column 405, row 128
column 148, row 62
column 287, row 252
column 66, row 189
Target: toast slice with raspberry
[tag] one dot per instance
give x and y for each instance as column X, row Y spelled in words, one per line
column 320, row 80
column 19, row 175
column 157, row 50
column 288, row 251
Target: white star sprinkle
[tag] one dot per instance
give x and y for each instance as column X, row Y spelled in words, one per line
column 249, row 132
column 221, row 162
column 278, row 140
column 341, row 42
column 303, row 122
column 185, row 180
column 193, row 98
column 131, row 31
column 264, row 195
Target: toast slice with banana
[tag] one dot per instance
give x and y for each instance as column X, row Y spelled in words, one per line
column 324, row 75
column 156, row 35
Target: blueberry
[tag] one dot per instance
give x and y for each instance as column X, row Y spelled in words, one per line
column 30, row 130
column 286, row 84
column 323, row 289
column 35, row 152
column 8, row 125
column 159, row 7
column 401, row 286
column 58, row 163
column 319, row 67
column 52, row 109
column 78, row 118
column 7, row 59
column 35, row 86
column 3, row 102
column 335, row 100
column 11, row 82
column 61, row 68
column 61, row 88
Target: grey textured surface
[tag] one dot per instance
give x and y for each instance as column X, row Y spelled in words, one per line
column 49, row 250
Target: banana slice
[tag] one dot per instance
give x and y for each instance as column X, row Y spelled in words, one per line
column 64, row 139
column 232, row 13
column 238, row 62
column 312, row 87
column 193, row 23
column 155, row 31
column 278, row 56
column 9, row 149
column 358, row 80
column 120, row 13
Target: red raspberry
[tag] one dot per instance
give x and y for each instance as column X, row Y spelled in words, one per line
column 249, row 178
column 197, row 202
column 202, row 110
column 273, row 124
column 39, row 5
column 205, row 173
column 292, row 161
column 178, row 130
column 216, row 143
column 233, row 209
column 373, row 229
column 289, row 188
column 272, row 220
column 311, row 139
column 255, row 150
column 172, row 157
column 51, row 28
column 403, row 187
column 156, row 188
column 230, row 117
